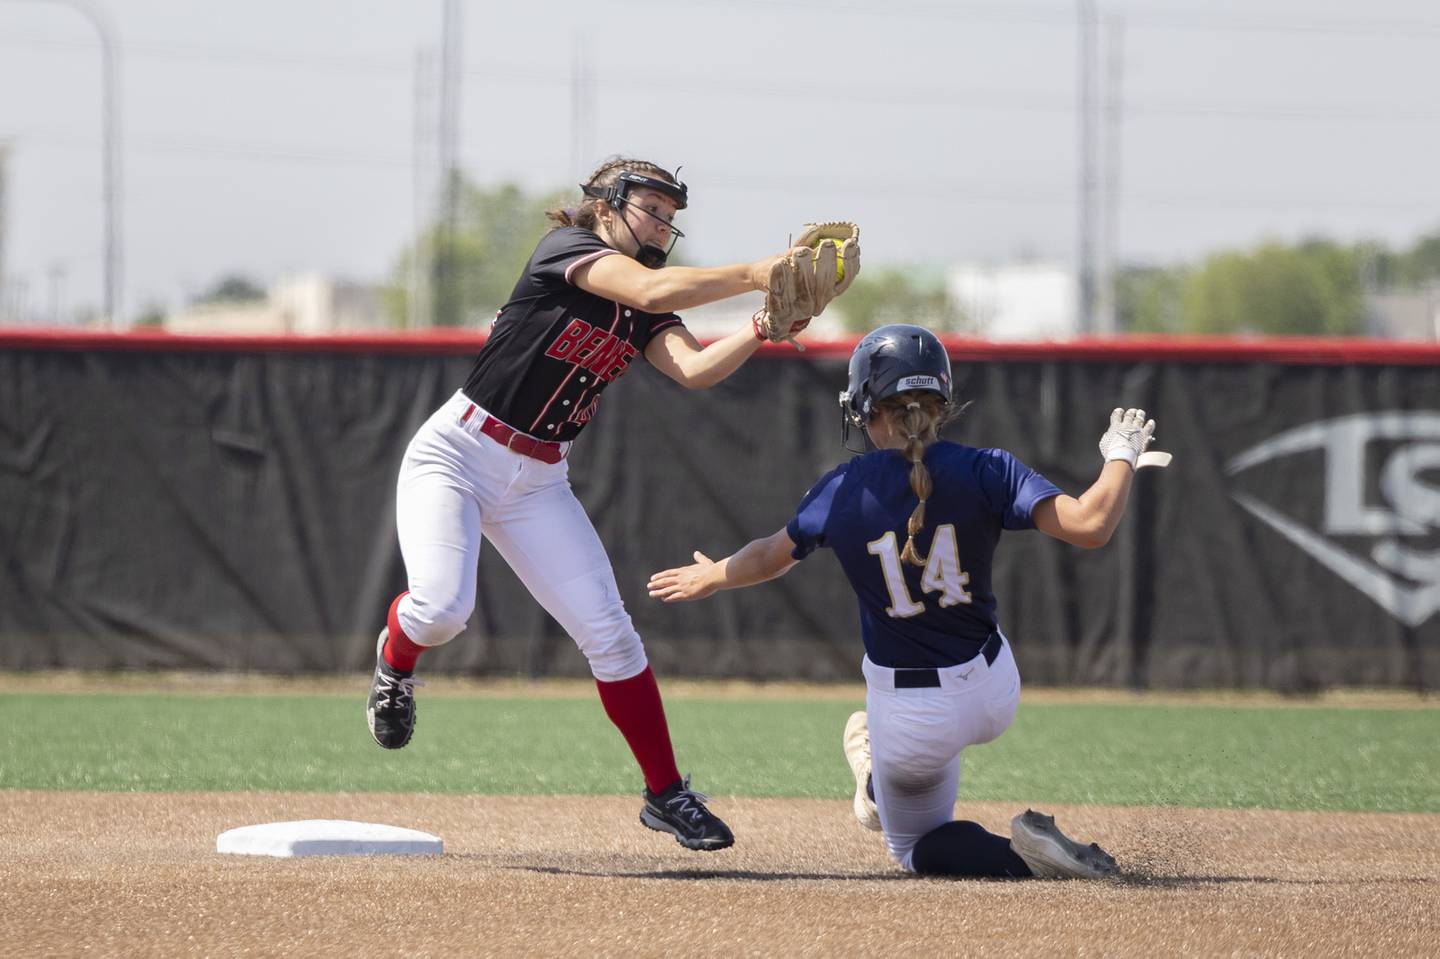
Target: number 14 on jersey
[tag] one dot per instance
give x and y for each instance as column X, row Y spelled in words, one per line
column 942, row 573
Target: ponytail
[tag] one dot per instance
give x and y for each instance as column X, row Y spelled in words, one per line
column 914, row 421
column 918, row 418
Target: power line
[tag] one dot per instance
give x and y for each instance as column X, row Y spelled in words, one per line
column 1049, row 15
column 1023, row 101
column 917, row 96
column 766, row 181
column 771, row 182
column 1062, row 17
column 165, row 51
column 199, row 145
column 1022, row 194
column 1349, row 29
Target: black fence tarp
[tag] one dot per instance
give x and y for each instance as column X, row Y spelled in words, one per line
column 234, row 509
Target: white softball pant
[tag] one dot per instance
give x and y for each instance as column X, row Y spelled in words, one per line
column 916, row 736
column 458, row 487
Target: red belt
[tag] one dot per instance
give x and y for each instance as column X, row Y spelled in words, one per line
column 516, row 441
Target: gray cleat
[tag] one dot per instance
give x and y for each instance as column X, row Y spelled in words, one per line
column 1050, row 854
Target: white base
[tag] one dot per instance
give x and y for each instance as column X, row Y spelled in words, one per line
column 328, row 837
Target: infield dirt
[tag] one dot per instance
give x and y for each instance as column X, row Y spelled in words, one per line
column 137, row 874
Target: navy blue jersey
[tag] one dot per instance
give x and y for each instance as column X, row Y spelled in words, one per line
column 910, row 616
column 554, row 347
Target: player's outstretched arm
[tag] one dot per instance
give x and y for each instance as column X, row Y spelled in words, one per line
column 755, row 562
column 623, row 280
column 1090, row 520
column 676, row 353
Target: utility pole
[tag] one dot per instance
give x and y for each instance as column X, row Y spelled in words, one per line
column 582, row 108
column 4, row 287
column 419, row 295
column 1085, row 107
column 445, row 293
column 1111, row 167
column 114, row 285
column 110, row 108
column 57, row 293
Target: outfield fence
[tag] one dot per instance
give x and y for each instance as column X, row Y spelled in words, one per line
column 209, row 503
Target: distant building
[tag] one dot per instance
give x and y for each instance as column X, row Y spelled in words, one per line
column 307, row 305
column 1404, row 316
column 315, row 305
column 1016, row 301
column 714, row 320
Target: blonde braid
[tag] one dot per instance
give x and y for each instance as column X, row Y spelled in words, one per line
column 918, row 416
column 916, row 424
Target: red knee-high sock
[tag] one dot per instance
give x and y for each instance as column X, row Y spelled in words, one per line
column 634, row 706
column 399, row 651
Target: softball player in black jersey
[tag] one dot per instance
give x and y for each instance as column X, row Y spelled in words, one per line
column 490, row 464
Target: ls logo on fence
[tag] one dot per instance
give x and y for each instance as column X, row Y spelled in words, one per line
column 1402, row 579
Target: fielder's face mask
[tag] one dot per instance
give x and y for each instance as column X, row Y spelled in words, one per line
column 892, row 359
column 617, row 197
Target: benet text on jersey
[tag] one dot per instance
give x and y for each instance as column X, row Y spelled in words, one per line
column 592, row 348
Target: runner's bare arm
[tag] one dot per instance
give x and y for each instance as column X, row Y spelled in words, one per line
column 755, row 562
column 1089, row 520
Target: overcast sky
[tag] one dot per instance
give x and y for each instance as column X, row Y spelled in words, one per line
column 269, row 137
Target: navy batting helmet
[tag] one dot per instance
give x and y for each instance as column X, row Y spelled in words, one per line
column 890, row 360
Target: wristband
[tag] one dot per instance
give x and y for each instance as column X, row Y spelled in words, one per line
column 755, row 325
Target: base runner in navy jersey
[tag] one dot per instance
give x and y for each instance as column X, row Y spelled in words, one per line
column 490, row 465
column 915, row 524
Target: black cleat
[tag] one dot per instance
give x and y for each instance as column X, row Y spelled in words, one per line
column 391, row 709
column 681, row 812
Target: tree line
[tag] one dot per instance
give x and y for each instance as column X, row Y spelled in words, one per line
column 465, row 270
column 1317, row 287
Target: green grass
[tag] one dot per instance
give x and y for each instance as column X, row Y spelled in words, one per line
column 1214, row 756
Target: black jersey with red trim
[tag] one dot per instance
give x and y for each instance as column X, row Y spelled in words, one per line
column 554, row 347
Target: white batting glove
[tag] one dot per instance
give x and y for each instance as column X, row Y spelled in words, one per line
column 1127, row 437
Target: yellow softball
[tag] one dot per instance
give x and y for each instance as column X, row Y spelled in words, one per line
column 839, row 260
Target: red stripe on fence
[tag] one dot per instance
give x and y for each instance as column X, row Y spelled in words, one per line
column 1185, row 349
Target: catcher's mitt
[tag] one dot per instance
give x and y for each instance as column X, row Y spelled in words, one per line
column 836, row 247
column 819, row 267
